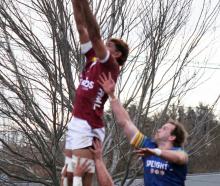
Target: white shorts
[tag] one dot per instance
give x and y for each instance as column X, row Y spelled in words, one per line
column 80, row 134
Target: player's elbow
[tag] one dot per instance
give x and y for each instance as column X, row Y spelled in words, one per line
column 81, row 29
column 95, row 36
column 182, row 159
column 123, row 122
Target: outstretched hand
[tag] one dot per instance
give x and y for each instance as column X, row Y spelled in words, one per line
column 107, row 83
column 145, row 151
column 81, row 169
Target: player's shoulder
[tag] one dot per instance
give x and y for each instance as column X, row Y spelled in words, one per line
column 149, row 142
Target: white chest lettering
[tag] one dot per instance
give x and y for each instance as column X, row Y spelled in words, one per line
column 156, row 164
column 98, row 100
column 87, row 84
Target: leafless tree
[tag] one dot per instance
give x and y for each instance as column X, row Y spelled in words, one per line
column 40, row 62
column 160, row 72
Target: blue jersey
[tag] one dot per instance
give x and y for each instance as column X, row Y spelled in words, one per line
column 159, row 172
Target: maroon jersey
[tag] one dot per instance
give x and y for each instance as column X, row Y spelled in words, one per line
column 90, row 97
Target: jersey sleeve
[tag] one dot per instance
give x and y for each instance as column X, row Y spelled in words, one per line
column 86, row 47
column 87, row 50
column 140, row 141
column 111, row 66
column 106, row 59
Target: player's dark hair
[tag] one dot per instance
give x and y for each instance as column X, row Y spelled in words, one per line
column 180, row 133
column 123, row 48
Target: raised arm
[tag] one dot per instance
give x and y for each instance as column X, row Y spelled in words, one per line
column 93, row 30
column 122, row 116
column 80, row 21
column 103, row 176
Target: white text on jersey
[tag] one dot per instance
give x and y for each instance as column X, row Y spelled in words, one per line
column 87, row 84
column 98, row 100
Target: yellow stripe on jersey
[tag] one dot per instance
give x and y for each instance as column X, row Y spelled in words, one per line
column 94, row 59
column 138, row 140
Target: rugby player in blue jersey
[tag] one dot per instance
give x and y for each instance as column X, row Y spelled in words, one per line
column 165, row 161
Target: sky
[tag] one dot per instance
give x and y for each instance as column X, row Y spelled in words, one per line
column 209, row 89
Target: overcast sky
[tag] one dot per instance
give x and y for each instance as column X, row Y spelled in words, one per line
column 209, row 89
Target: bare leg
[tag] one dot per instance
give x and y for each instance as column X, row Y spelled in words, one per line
column 65, row 174
column 87, row 178
column 85, row 153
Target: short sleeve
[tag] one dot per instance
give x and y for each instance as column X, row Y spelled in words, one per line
column 106, row 57
column 85, row 47
column 139, row 140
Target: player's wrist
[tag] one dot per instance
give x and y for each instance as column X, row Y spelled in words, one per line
column 112, row 97
column 97, row 161
column 98, row 158
column 157, row 152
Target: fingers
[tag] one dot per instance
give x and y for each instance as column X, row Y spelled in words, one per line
column 103, row 78
column 138, row 151
column 82, row 168
column 96, row 143
column 110, row 76
column 94, row 148
column 140, row 154
column 141, row 151
column 97, row 149
column 99, row 82
column 91, row 150
column 78, row 162
column 86, row 166
column 84, row 162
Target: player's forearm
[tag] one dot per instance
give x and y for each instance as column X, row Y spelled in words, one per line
column 102, row 174
column 123, row 119
column 80, row 22
column 178, row 157
column 120, row 113
column 90, row 21
column 78, row 14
